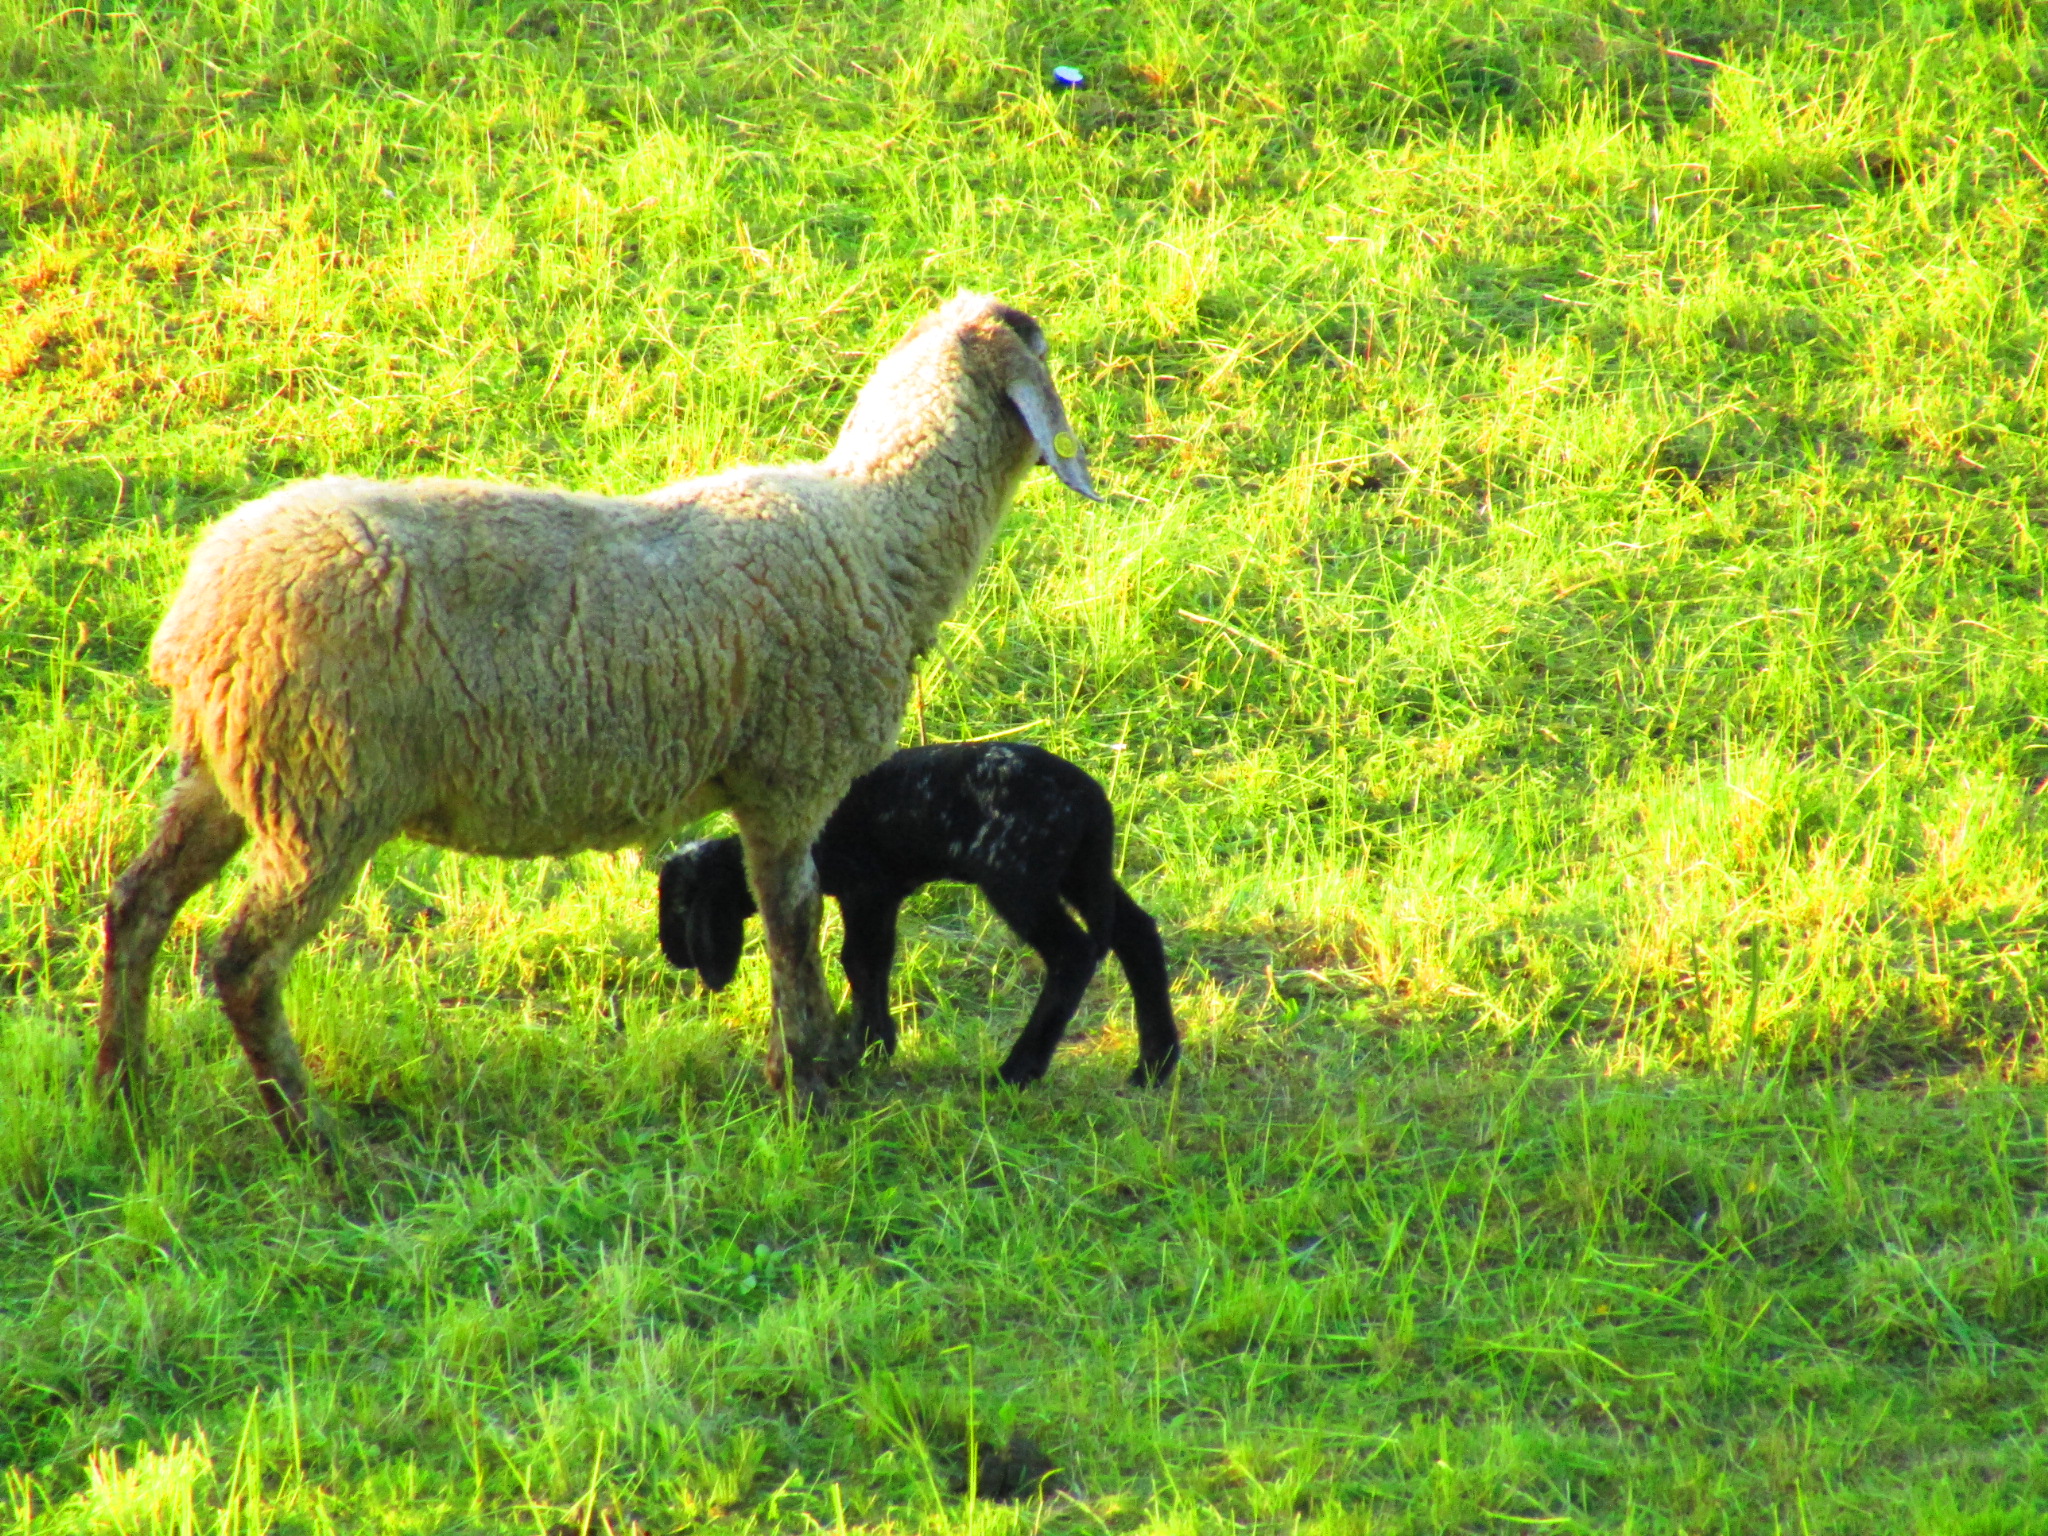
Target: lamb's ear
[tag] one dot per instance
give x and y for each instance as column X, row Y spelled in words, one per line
column 715, row 934
column 1058, row 449
column 672, row 918
column 675, row 942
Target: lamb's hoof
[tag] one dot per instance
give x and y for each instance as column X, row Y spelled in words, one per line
column 844, row 1059
column 867, row 1057
column 1153, row 1074
column 1009, row 1080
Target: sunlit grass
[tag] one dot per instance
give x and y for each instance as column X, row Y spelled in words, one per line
column 1565, row 642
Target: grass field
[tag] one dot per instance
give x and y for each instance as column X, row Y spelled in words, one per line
column 1565, row 640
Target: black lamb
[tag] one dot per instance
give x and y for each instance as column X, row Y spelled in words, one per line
column 1031, row 829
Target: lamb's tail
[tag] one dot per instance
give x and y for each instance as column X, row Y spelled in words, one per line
column 1135, row 939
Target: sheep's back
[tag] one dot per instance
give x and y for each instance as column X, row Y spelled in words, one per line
column 822, row 605
column 502, row 670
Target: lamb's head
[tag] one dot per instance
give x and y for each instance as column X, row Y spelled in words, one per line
column 704, row 908
column 973, row 364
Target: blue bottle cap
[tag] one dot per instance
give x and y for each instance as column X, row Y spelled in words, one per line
column 1067, row 77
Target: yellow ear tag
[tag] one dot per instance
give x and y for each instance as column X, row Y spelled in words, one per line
column 1064, row 445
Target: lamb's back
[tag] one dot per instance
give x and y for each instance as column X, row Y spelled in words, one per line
column 1008, row 813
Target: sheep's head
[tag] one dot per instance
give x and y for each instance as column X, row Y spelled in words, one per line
column 1009, row 347
column 1000, row 354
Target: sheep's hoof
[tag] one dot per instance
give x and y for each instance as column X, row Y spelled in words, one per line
column 810, row 1096
column 306, row 1127
column 327, row 1147
column 805, row 1086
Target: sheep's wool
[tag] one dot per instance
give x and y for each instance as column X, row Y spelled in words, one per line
column 513, row 671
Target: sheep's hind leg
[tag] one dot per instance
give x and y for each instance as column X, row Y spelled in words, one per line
column 195, row 837
column 290, row 896
column 1135, row 938
column 803, row 1039
column 1070, row 959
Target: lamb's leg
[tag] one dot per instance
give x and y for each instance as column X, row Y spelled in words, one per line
column 866, row 957
column 1070, row 957
column 1135, row 938
column 803, row 1037
column 196, row 835
column 290, row 896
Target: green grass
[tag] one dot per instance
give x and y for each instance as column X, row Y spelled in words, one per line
column 1566, row 642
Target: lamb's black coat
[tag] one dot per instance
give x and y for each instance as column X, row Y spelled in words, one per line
column 1033, row 831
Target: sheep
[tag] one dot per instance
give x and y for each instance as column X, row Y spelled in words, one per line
column 1026, row 826
column 520, row 672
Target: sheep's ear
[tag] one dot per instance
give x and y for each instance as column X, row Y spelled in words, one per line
column 715, row 934
column 1058, row 449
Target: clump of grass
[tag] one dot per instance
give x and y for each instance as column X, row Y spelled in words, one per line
column 1564, row 646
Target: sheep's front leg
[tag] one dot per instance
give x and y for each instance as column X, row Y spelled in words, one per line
column 803, row 1040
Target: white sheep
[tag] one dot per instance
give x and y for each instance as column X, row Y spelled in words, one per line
column 517, row 672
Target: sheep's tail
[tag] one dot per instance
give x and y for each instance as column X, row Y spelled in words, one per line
column 1134, row 938
column 248, row 651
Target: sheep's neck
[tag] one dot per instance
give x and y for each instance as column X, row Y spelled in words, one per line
column 937, row 496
